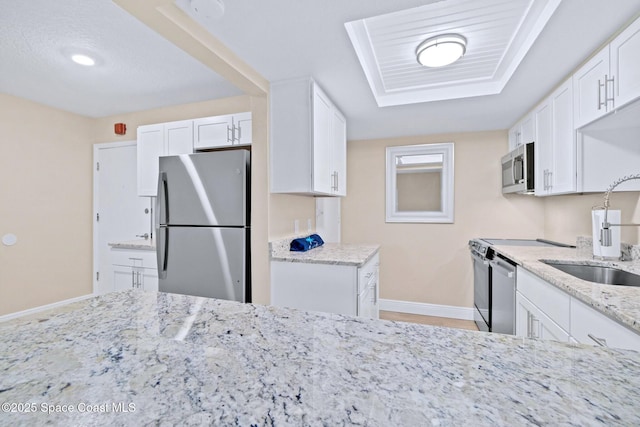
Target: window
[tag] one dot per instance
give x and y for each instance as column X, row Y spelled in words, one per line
column 420, row 183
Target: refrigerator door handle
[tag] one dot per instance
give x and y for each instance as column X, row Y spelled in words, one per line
column 161, row 251
column 162, row 213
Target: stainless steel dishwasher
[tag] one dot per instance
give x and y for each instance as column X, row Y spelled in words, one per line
column 503, row 291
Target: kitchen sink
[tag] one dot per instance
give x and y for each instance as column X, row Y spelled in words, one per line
column 598, row 274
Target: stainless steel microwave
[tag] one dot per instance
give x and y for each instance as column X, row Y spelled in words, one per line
column 518, row 170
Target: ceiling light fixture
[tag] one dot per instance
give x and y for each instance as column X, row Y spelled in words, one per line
column 83, row 60
column 441, row 50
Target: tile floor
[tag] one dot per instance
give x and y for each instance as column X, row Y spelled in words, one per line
column 429, row 320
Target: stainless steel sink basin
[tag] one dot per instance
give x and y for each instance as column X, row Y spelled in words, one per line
column 598, row 274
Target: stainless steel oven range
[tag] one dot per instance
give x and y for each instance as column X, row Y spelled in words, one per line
column 494, row 283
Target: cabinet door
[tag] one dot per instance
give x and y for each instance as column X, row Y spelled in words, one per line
column 150, row 146
column 339, row 153
column 148, row 279
column 563, row 168
column 543, row 147
column 589, row 326
column 625, row 64
column 178, row 138
column 514, row 137
column 124, row 278
column 242, row 133
column 322, row 167
column 531, row 322
column 315, row 287
column 527, row 129
column 589, row 89
column 212, row 132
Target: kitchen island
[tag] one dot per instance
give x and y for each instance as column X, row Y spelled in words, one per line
column 140, row 358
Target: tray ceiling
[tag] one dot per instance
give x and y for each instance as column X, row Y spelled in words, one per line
column 499, row 34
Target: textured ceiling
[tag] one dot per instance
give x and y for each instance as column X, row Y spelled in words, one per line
column 135, row 70
column 499, row 33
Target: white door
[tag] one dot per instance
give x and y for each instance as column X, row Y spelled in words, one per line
column 119, row 213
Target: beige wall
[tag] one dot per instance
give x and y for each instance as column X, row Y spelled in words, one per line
column 45, row 200
column 49, row 152
column 567, row 217
column 429, row 263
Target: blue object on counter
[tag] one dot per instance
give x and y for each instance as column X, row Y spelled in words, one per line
column 303, row 244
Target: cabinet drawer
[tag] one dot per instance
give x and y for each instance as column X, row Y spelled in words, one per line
column 134, row 258
column 587, row 321
column 368, row 273
column 551, row 300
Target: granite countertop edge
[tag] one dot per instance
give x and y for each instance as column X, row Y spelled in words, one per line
column 141, row 244
column 330, row 253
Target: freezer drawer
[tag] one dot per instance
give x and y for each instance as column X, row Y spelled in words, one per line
column 204, row 261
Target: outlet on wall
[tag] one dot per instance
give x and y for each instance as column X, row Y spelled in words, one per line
column 296, row 226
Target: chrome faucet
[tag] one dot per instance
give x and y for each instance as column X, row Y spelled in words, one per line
column 605, row 232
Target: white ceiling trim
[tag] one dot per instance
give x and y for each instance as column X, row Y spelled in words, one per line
column 498, row 43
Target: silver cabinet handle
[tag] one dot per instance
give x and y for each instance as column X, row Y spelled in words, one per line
column 608, row 98
column 234, row 133
column 229, row 134
column 133, row 278
column 600, row 341
column 600, row 86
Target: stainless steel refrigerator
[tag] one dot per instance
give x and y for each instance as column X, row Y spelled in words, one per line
column 203, row 225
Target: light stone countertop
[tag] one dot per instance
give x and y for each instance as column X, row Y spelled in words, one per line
column 180, row 360
column 144, row 244
column 330, row 253
column 618, row 302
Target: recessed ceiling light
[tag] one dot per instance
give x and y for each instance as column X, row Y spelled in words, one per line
column 441, row 50
column 83, row 60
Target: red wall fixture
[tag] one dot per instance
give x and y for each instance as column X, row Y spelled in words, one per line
column 120, row 128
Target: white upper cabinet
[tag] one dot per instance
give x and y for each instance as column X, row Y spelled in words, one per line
column 338, row 153
column 222, row 131
column 308, row 140
column 522, row 132
column 625, row 64
column 154, row 141
column 590, row 84
column 183, row 137
column 555, row 143
column 609, row 80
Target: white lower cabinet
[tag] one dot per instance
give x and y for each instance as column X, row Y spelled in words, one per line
column 531, row 322
column 543, row 311
column 134, row 269
column 340, row 289
column 588, row 326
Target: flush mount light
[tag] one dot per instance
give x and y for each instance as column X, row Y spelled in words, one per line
column 441, row 50
column 83, row 60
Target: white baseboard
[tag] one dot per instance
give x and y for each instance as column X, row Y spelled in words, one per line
column 452, row 312
column 17, row 314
